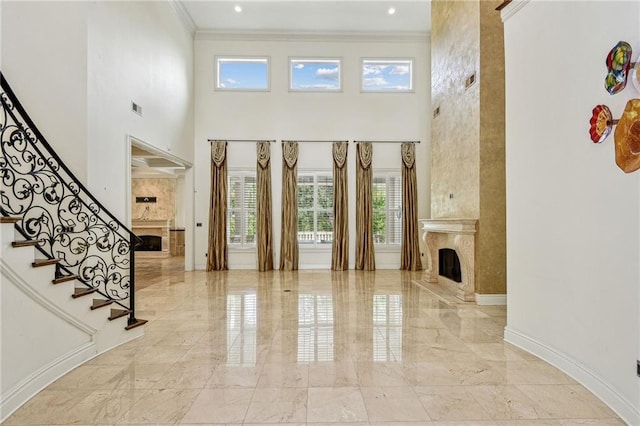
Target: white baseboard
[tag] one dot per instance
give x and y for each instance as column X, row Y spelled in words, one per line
column 627, row 410
column 34, row 383
column 491, row 299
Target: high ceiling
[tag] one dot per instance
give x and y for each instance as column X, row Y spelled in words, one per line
column 325, row 16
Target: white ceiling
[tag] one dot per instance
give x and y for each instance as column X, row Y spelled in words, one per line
column 325, row 16
column 145, row 163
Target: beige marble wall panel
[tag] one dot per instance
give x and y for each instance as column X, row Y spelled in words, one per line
column 165, row 192
column 455, row 56
column 491, row 247
column 468, row 135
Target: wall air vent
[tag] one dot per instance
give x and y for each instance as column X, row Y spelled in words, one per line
column 470, row 80
column 136, row 108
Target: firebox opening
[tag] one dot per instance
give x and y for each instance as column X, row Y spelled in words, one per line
column 150, row 243
column 449, row 264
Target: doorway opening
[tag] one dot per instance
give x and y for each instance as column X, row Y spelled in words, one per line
column 158, row 207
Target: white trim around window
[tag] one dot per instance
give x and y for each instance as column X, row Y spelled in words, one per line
column 387, row 209
column 242, row 73
column 315, row 209
column 386, row 75
column 241, row 209
column 315, row 74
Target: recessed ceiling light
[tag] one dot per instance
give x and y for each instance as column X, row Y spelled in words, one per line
column 391, row 11
column 238, row 8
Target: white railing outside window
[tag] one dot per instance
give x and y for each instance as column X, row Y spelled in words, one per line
column 315, row 209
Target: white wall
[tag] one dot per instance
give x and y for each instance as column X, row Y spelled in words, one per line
column 283, row 115
column 44, row 57
column 137, row 51
column 573, row 216
column 76, row 67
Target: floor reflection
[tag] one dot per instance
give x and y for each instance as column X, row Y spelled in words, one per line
column 311, row 347
column 317, row 323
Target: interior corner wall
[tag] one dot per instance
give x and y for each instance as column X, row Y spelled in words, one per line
column 572, row 215
column 137, row 52
column 455, row 132
column 44, row 57
column 283, row 115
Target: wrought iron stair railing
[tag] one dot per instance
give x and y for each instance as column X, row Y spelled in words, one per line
column 57, row 210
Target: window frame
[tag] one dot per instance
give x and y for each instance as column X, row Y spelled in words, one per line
column 388, row 174
column 242, row 245
column 234, row 58
column 389, row 62
column 316, row 208
column 314, row 60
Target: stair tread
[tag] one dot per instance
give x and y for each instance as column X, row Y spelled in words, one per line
column 118, row 313
column 44, row 262
column 83, row 291
column 99, row 303
column 10, row 219
column 136, row 323
column 25, row 243
column 64, row 279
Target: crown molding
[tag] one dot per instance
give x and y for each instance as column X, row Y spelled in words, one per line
column 391, row 37
column 512, row 8
column 184, row 16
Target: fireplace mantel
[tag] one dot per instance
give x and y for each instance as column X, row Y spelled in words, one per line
column 450, row 226
column 456, row 234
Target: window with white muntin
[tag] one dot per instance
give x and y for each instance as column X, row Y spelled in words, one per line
column 387, row 208
column 241, row 209
column 315, row 209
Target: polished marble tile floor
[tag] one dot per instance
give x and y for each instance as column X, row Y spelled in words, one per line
column 311, row 347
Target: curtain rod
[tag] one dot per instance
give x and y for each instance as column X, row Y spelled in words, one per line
column 241, row 140
column 314, row 141
column 386, row 141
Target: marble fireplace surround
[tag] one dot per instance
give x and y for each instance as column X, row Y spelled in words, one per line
column 456, row 234
column 158, row 228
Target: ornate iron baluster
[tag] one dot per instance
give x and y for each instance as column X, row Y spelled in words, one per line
column 57, row 209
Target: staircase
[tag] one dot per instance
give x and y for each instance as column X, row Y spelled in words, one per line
column 67, row 265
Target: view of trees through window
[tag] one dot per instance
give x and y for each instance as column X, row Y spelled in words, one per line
column 241, row 208
column 387, row 208
column 315, row 208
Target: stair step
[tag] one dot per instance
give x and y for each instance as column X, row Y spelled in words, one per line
column 9, row 219
column 136, row 323
column 44, row 262
column 64, row 279
column 83, row 291
column 118, row 313
column 25, row 243
column 99, row 303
